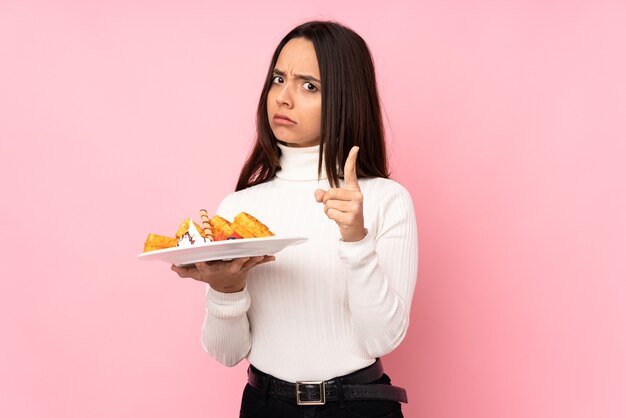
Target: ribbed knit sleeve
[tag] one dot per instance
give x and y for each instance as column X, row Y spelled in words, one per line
column 226, row 330
column 381, row 273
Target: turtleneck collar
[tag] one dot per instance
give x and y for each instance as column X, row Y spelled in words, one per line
column 299, row 164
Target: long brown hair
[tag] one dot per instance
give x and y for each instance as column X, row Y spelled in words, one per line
column 350, row 108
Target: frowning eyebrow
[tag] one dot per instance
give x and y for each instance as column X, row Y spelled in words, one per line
column 297, row 76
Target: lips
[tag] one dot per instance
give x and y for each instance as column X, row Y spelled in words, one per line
column 282, row 119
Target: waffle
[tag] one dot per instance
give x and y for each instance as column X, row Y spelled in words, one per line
column 158, row 242
column 248, row 226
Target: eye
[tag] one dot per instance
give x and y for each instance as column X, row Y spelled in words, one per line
column 310, row 86
column 277, row 79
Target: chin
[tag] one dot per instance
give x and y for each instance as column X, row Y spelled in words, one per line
column 286, row 138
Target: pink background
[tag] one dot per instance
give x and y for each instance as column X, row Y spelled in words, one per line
column 120, row 118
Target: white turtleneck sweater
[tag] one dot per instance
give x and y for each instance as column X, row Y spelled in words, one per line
column 326, row 307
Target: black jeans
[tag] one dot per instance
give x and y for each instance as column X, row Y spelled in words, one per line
column 254, row 405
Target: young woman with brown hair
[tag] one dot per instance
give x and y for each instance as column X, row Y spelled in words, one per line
column 314, row 323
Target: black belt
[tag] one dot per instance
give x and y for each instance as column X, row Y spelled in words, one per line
column 351, row 387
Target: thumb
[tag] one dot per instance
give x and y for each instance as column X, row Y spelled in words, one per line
column 349, row 171
column 319, row 195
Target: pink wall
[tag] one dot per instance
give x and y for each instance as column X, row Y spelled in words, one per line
column 507, row 128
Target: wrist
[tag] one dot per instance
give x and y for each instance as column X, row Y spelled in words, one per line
column 354, row 236
column 228, row 289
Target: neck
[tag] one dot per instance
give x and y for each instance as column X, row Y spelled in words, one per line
column 299, row 163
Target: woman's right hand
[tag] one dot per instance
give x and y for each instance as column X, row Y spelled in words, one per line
column 223, row 276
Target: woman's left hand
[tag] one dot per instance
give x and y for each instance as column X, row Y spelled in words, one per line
column 345, row 205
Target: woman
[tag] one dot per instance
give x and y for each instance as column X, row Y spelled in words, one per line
column 326, row 310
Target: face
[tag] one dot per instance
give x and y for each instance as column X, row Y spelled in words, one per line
column 294, row 101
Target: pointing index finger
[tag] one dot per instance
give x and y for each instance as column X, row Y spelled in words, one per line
column 349, row 171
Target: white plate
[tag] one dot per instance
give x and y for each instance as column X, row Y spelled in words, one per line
column 222, row 250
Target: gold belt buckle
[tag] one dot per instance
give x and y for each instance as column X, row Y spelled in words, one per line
column 321, row 401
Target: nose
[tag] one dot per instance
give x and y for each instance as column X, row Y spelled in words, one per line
column 284, row 96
